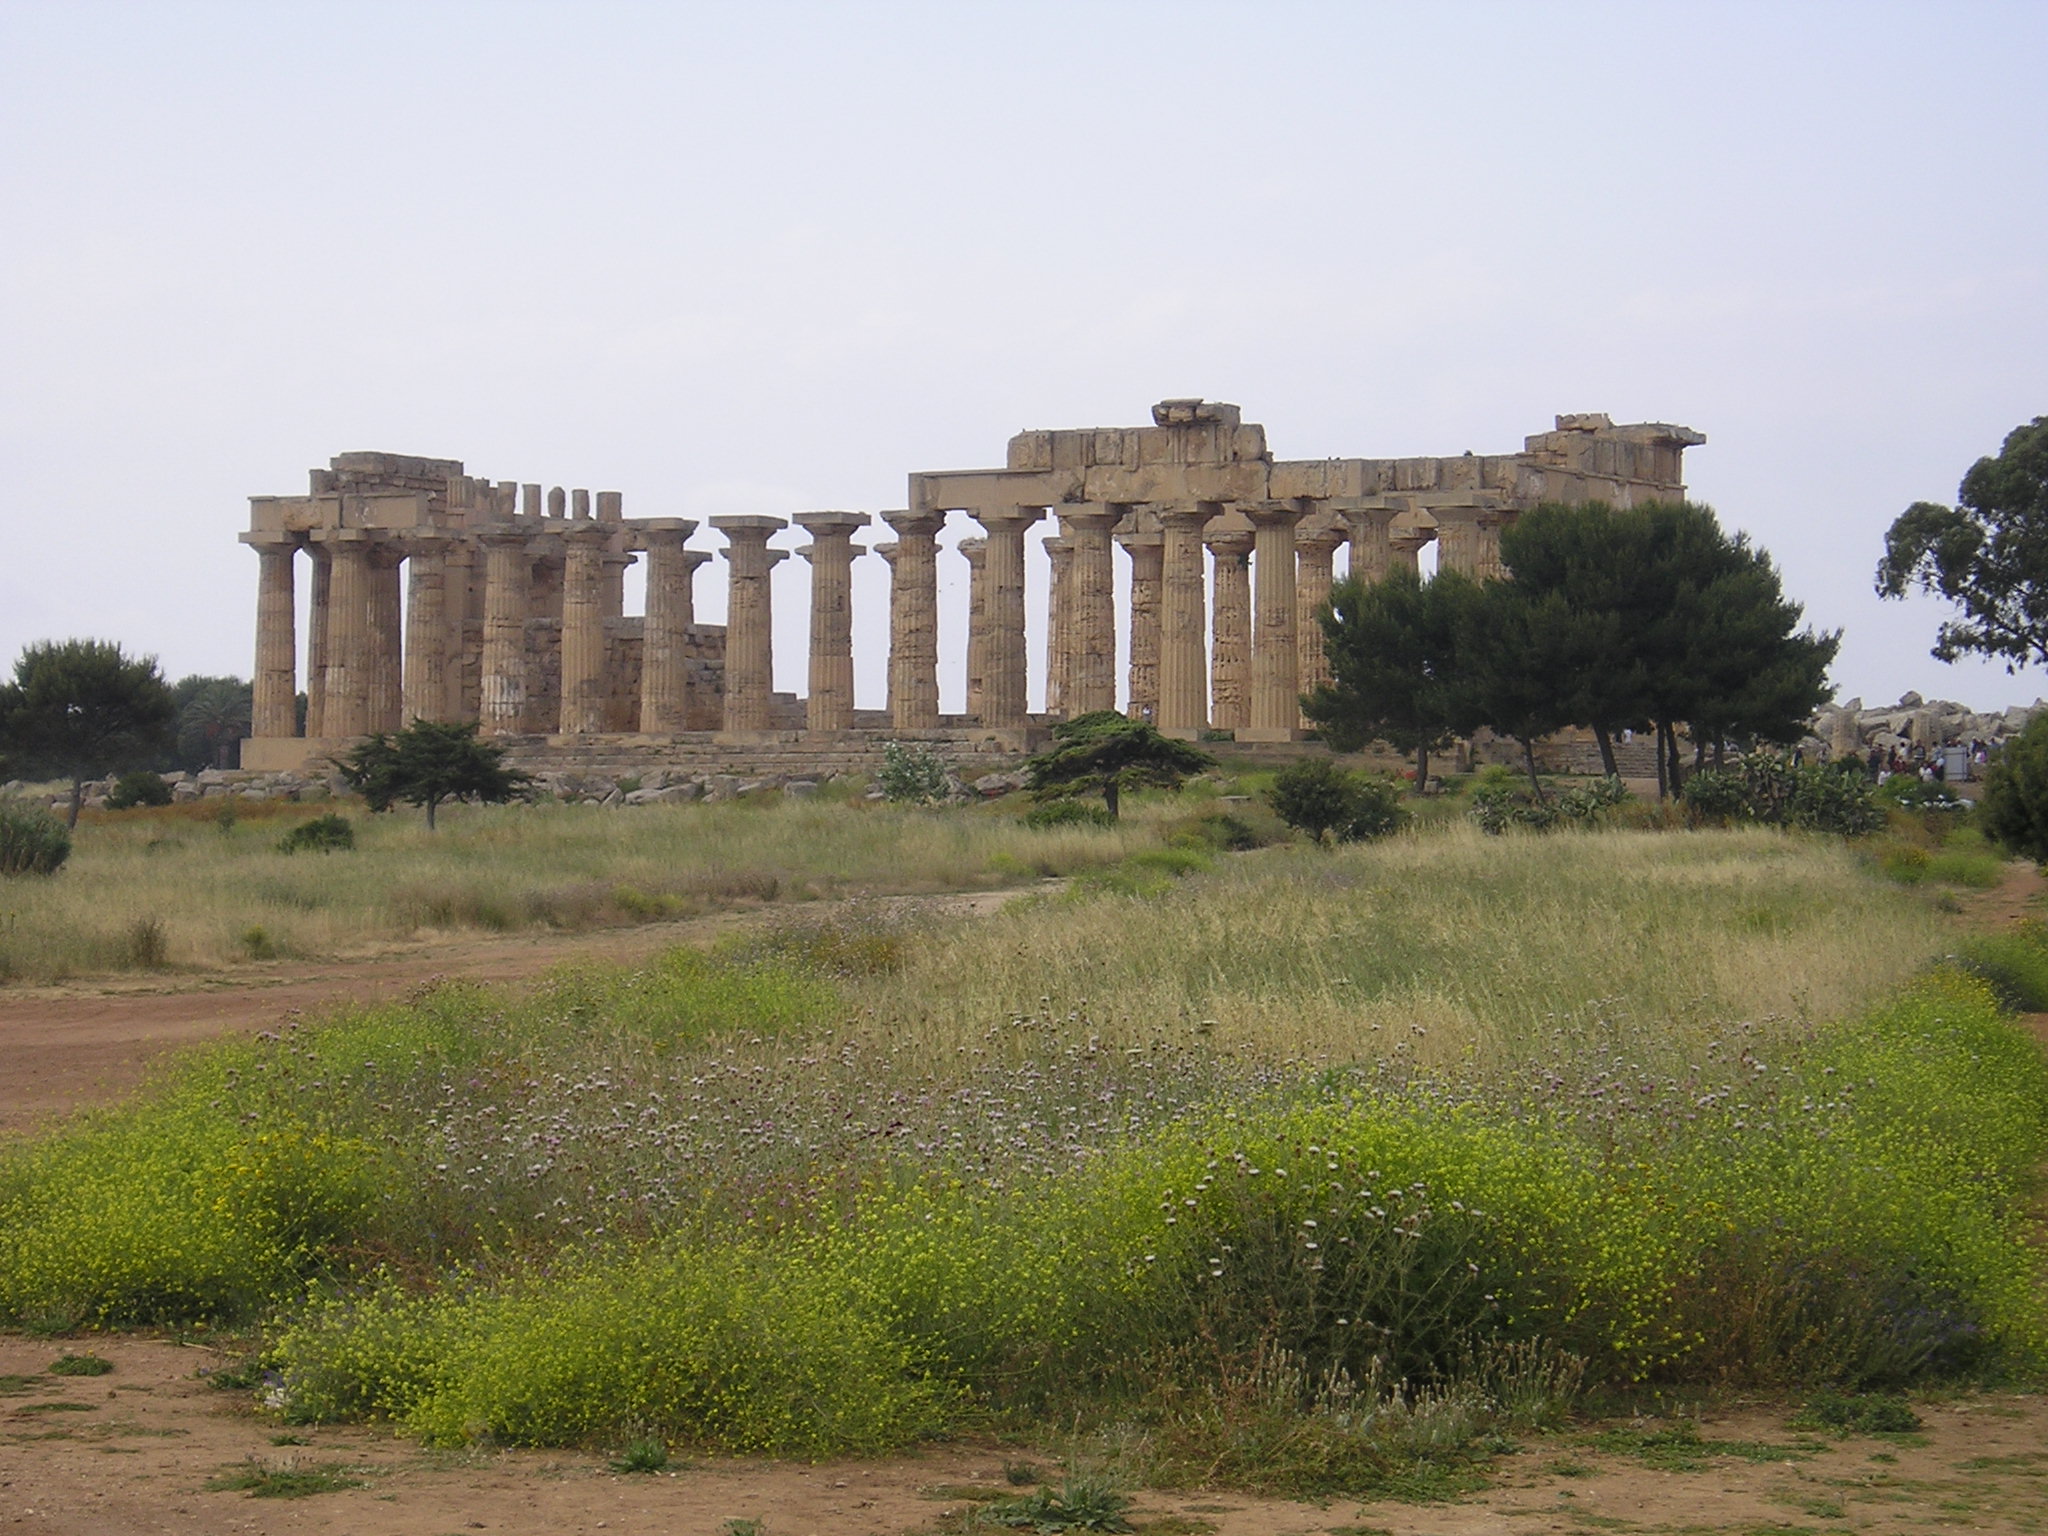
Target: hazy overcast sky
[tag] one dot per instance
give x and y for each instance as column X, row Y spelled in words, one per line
column 767, row 257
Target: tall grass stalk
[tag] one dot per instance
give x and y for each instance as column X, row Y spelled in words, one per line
column 1444, row 947
column 500, row 868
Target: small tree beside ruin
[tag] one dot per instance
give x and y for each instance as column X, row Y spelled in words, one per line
column 1110, row 752
column 428, row 762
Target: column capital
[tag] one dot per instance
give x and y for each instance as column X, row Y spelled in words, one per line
column 1194, row 515
column 749, row 529
column 909, row 524
column 1322, row 537
column 887, row 550
column 1229, row 541
column 1274, row 514
column 1089, row 517
column 650, row 532
column 829, row 549
column 1002, row 519
column 269, row 542
column 826, row 525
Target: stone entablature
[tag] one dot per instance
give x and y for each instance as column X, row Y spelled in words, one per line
column 513, row 596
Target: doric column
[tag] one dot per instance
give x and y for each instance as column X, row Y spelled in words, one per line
column 1089, row 682
column 914, row 620
column 348, row 635
column 829, row 706
column 1458, row 540
column 887, row 550
column 1230, row 638
column 671, row 610
column 1315, row 546
column 558, row 502
column 507, row 577
column 1488, row 565
column 1276, row 695
column 611, row 511
column 1404, row 547
column 273, row 708
column 316, row 641
column 387, row 639
column 1059, row 554
column 749, row 630
column 1182, row 691
column 1371, row 546
column 975, row 553
column 1002, row 683
column 1146, row 551
column 582, row 701
column 426, row 630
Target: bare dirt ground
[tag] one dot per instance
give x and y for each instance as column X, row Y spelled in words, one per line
column 133, row 1451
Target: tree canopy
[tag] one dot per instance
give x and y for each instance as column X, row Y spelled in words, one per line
column 1988, row 554
column 1612, row 619
column 1392, row 646
column 428, row 762
column 1110, row 752
column 78, row 709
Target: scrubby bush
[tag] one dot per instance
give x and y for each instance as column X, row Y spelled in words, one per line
column 1330, row 803
column 32, row 841
column 1500, row 802
column 911, row 774
column 138, row 787
column 2015, row 804
column 331, row 833
column 1067, row 813
column 1769, row 789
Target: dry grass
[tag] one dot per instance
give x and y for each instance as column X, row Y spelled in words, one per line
column 1444, row 945
column 175, row 889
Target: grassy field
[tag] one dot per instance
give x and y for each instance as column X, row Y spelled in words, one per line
column 178, row 888
column 1303, row 1170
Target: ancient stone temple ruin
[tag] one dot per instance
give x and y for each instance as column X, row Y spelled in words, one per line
column 439, row 595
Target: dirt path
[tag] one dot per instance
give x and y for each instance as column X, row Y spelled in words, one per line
column 132, row 1452
column 89, row 1042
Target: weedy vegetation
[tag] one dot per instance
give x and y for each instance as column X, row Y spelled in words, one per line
column 1311, row 1170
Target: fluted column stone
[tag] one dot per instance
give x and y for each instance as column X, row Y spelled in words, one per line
column 1404, row 547
column 316, row 640
column 1276, row 657
column 274, row 691
column 387, row 696
column 1230, row 629
column 1089, row 682
column 829, row 705
column 1183, row 701
column 348, row 635
column 426, row 630
column 1315, row 546
column 1003, row 679
column 1146, row 551
column 749, row 627
column 1059, row 554
column 975, row 553
column 508, row 577
column 1371, row 542
column 914, row 620
column 671, row 610
column 583, row 692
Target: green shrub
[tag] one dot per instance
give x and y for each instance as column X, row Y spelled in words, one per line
column 1376, row 810
column 1067, row 813
column 331, row 833
column 1314, row 796
column 32, row 841
column 1329, row 803
column 911, row 774
column 139, row 787
column 1766, row 787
